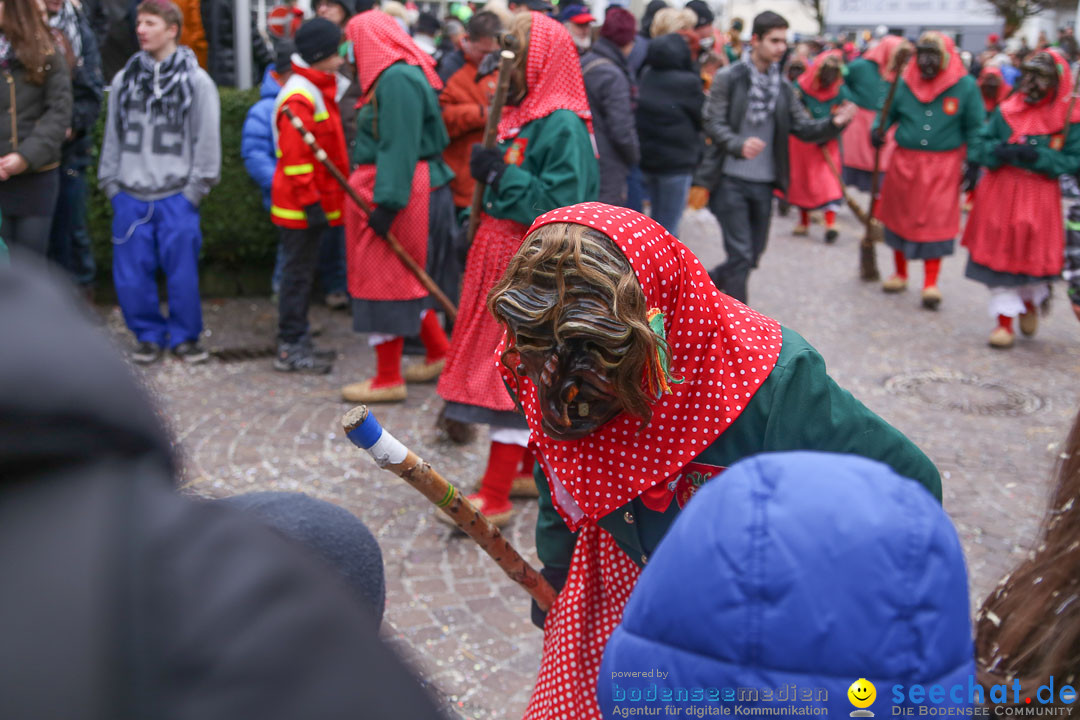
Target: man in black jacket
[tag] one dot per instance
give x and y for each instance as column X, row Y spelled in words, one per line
column 120, row 598
column 69, row 243
column 750, row 112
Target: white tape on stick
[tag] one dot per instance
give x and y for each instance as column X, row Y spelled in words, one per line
column 387, row 450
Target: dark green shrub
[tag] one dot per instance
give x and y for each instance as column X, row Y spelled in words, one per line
column 238, row 238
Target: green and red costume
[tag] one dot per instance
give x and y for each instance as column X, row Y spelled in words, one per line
column 1015, row 232
column 936, row 121
column 867, row 84
column 813, row 184
column 740, row 384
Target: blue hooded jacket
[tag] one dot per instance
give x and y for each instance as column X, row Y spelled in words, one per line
column 805, row 569
column 257, row 138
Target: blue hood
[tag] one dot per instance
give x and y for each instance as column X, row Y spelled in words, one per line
column 270, row 86
column 805, row 569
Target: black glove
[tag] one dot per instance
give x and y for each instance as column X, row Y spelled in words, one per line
column 877, row 137
column 316, row 218
column 1006, row 153
column 486, row 165
column 1026, row 153
column 557, row 578
column 381, row 219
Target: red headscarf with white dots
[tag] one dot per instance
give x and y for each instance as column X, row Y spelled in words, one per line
column 720, row 349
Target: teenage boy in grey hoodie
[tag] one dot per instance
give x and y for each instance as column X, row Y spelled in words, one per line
column 160, row 157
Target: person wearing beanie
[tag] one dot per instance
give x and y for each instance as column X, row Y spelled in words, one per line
column 609, row 87
column 305, row 198
column 424, row 32
column 160, row 156
column 329, row 533
column 336, row 11
column 399, row 169
column 703, row 29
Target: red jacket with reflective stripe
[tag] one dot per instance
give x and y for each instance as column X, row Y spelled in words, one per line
column 299, row 179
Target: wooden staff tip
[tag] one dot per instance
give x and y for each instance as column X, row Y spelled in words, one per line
column 354, row 418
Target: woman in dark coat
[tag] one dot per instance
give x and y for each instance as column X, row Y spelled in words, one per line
column 38, row 112
column 669, row 126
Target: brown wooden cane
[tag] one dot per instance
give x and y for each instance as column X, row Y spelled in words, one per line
column 868, row 269
column 859, row 212
column 406, row 258
column 471, row 521
column 491, row 133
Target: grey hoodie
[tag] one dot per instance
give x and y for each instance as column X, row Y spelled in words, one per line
column 157, row 161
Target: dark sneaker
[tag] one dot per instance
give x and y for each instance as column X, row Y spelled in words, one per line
column 320, row 353
column 191, row 352
column 296, row 357
column 830, row 235
column 146, row 353
column 337, row 300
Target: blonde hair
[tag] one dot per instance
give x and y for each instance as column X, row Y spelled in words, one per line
column 672, row 20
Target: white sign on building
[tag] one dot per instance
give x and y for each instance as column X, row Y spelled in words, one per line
column 940, row 13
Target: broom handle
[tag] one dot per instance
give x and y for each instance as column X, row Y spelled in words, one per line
column 491, row 134
column 405, row 257
column 364, row 431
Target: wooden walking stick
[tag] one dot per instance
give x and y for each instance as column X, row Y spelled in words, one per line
column 1069, row 112
column 868, row 269
column 364, row 431
column 859, row 212
column 491, row 134
column 406, row 258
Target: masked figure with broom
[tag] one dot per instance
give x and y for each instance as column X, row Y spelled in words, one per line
column 640, row 382
column 814, row 186
column 544, row 160
column 938, row 111
column 1015, row 232
column 867, row 83
column 400, row 137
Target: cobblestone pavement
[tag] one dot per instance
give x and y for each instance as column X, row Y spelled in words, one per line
column 990, row 420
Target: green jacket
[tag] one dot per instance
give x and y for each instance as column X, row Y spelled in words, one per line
column 1051, row 162
column 952, row 119
column 550, row 164
column 864, row 84
column 819, row 109
column 798, row 407
column 409, row 128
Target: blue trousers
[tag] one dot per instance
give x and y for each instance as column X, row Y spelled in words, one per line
column 668, row 194
column 150, row 236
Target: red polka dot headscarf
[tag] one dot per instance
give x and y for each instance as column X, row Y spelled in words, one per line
column 721, row 350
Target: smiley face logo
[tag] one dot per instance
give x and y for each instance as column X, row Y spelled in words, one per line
column 862, row 693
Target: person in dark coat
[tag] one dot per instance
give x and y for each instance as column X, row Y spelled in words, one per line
column 123, row 599
column 669, row 126
column 805, row 569
column 69, row 242
column 609, row 88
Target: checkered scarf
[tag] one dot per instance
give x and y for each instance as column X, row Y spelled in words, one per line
column 162, row 89
column 67, row 22
column 764, row 89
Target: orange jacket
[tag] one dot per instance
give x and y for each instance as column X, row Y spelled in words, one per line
column 464, row 107
column 299, row 179
column 192, row 34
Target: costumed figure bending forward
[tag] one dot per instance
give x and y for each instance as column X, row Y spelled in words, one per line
column 867, row 83
column 1015, row 232
column 813, row 185
column 400, row 137
column 938, row 111
column 544, row 160
column 640, row 381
